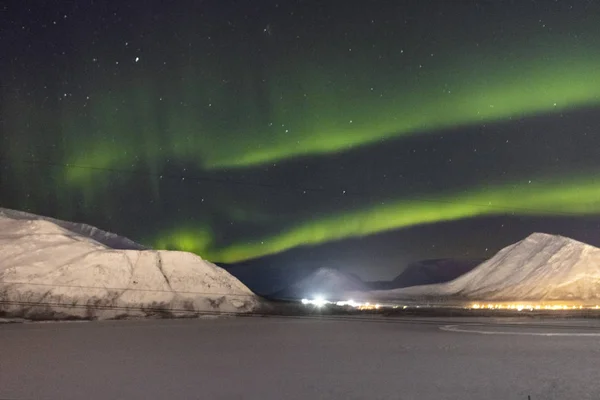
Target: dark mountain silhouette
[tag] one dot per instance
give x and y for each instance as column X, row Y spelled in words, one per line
column 427, row 272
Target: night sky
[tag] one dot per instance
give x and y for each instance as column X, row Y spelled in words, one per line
column 354, row 134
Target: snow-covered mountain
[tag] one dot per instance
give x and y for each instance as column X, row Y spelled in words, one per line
column 48, row 270
column 541, row 267
column 327, row 282
column 109, row 239
column 425, row 272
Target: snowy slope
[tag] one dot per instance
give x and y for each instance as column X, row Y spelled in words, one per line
column 109, row 239
column 541, row 267
column 327, row 282
column 47, row 270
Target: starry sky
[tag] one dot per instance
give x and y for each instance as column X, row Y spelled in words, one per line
column 362, row 136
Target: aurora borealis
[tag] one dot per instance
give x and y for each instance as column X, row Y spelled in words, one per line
column 239, row 130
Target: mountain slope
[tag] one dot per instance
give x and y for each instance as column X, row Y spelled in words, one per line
column 541, row 267
column 47, row 270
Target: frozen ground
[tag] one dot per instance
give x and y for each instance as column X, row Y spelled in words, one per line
column 302, row 358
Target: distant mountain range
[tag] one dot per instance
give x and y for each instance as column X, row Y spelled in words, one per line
column 427, row 272
column 333, row 283
column 267, row 279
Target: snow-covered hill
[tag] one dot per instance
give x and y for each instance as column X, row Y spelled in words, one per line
column 327, row 282
column 47, row 270
column 539, row 268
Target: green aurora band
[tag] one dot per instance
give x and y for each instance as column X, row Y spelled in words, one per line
column 304, row 110
column 553, row 197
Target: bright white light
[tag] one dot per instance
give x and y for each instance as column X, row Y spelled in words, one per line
column 350, row 303
column 319, row 301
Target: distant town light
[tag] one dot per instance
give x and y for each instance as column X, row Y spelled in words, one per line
column 350, row 303
column 531, row 307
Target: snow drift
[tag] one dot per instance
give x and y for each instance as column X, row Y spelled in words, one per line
column 539, row 268
column 50, row 271
column 327, row 282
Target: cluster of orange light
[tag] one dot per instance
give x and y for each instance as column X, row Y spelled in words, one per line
column 368, row 306
column 530, row 307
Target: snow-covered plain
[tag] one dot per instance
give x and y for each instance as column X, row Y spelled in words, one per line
column 62, row 270
column 540, row 268
column 300, row 359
